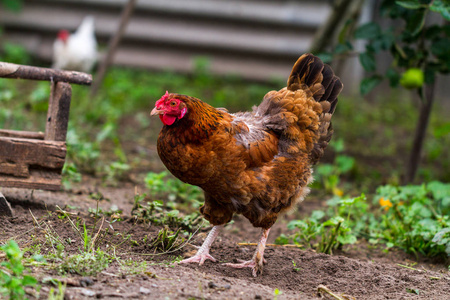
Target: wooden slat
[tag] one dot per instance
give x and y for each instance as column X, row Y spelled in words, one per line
column 22, row 134
column 38, row 179
column 58, row 112
column 21, row 155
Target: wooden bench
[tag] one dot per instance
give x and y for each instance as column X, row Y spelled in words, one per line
column 35, row 160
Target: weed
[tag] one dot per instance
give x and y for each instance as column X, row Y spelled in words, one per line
column 133, row 267
column 85, row 263
column 277, row 293
column 166, row 240
column 153, row 212
column 295, row 268
column 159, row 185
column 57, row 294
column 12, row 278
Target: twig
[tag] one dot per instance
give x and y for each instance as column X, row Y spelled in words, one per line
column 71, row 222
column 322, row 288
column 271, row 245
column 96, row 235
column 411, row 268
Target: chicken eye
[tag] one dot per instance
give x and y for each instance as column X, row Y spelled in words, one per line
column 173, row 103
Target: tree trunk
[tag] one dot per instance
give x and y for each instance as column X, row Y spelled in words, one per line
column 113, row 44
column 326, row 34
column 419, row 136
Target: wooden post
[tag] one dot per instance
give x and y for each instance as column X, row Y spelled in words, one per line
column 58, row 112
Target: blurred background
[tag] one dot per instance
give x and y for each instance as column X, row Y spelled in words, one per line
column 391, row 136
column 230, row 53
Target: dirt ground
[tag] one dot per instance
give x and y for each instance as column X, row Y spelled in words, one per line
column 359, row 272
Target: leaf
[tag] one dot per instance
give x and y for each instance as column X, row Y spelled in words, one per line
column 415, row 23
column 368, row 84
column 28, row 280
column 12, row 5
column 441, row 7
column 442, row 130
column 367, row 60
column 409, row 4
column 325, row 57
column 347, row 239
column 393, row 77
column 368, row 31
column 317, row 215
column 345, row 163
column 439, row 237
column 441, row 48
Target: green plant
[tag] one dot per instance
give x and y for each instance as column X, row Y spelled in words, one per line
column 415, row 218
column 328, row 175
column 324, row 235
column 154, row 212
column 12, row 278
column 160, row 185
column 85, row 263
column 166, row 240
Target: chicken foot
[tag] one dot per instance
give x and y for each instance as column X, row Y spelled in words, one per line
column 203, row 252
column 257, row 261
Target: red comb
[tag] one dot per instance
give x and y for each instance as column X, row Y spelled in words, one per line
column 163, row 98
column 166, row 95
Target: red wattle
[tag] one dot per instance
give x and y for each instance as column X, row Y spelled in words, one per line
column 167, row 119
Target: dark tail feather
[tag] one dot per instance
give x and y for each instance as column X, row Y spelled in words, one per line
column 325, row 87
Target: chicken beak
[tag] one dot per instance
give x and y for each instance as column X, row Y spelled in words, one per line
column 156, row 111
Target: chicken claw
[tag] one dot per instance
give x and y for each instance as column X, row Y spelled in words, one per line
column 257, row 267
column 198, row 258
column 257, row 262
column 203, row 252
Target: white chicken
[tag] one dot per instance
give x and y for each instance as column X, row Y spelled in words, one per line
column 77, row 51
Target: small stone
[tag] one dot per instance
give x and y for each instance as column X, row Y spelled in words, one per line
column 227, row 286
column 154, row 285
column 86, row 281
column 212, row 285
column 87, row 293
column 258, row 297
column 144, row 290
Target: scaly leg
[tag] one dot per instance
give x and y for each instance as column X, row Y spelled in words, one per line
column 203, row 252
column 256, row 263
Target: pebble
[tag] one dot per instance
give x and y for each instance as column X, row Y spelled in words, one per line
column 87, row 293
column 144, row 290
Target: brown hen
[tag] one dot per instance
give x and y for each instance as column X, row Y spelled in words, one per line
column 257, row 163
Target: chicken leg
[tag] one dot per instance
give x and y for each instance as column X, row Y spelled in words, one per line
column 257, row 261
column 203, row 252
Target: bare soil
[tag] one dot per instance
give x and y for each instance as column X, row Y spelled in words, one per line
column 358, row 272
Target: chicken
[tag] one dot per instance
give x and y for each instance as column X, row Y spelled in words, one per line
column 257, row 163
column 77, row 51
